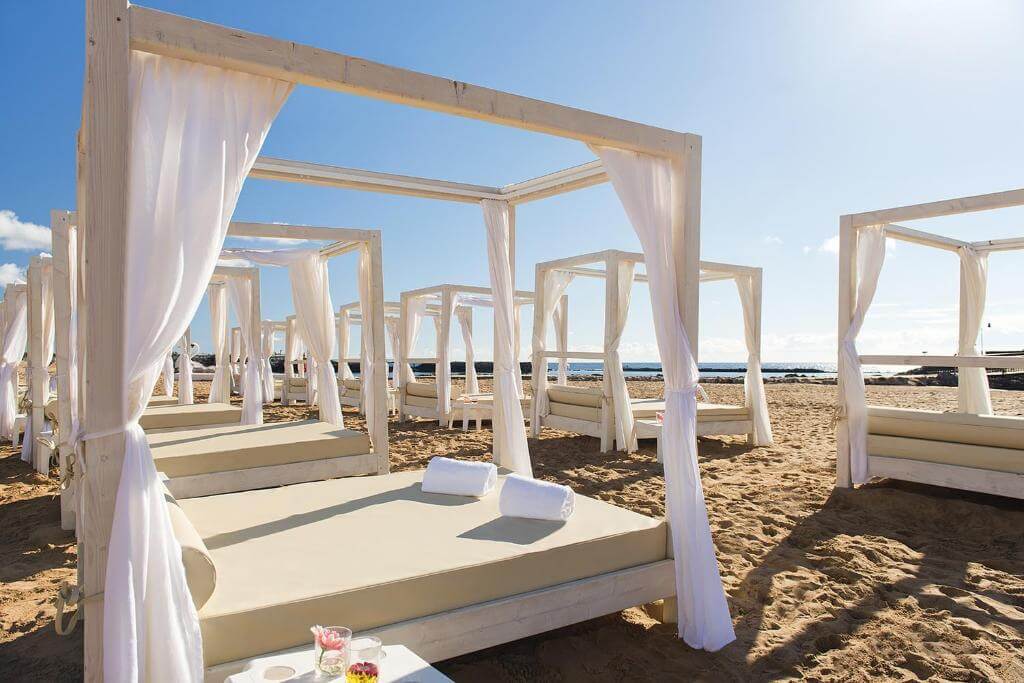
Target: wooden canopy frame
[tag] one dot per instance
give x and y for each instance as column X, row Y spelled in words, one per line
column 113, row 30
column 598, row 265
column 38, row 389
column 442, row 306
column 352, row 313
column 953, row 476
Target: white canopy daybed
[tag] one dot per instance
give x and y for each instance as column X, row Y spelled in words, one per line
column 349, row 386
column 228, row 86
column 608, row 412
column 443, row 304
column 969, row 449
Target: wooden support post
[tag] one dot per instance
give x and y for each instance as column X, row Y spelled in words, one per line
column 611, row 316
column 538, row 361
column 964, row 343
column 444, row 359
column 107, row 137
column 185, row 347
column 255, row 328
column 404, row 325
column 686, row 231
column 289, row 369
column 757, row 283
column 37, row 374
column 63, row 284
column 847, row 300
column 379, row 437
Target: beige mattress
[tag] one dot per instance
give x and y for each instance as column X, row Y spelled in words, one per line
column 372, row 551
column 187, row 451
column 980, row 430
column 421, row 389
column 947, row 453
column 648, row 408
column 351, row 385
column 421, row 401
column 198, row 414
column 157, row 401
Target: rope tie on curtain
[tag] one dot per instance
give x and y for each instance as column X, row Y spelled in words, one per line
column 69, row 595
column 838, row 415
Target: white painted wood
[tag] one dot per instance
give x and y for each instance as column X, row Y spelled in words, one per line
column 945, row 361
column 952, row 476
column 1010, row 244
column 847, row 299
column 61, row 226
column 271, row 475
column 927, row 239
column 945, row 207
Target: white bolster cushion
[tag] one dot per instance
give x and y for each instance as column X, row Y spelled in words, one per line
column 459, row 477
column 535, row 499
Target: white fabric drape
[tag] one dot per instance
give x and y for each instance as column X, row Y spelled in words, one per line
column 510, row 447
column 314, row 313
column 14, row 342
column 870, row 257
column 169, row 375
column 555, row 284
column 195, row 133
column 393, row 330
column 464, row 314
column 516, row 343
column 344, row 336
column 625, row 437
column 561, row 341
column 185, row 394
column 648, row 188
column 415, row 307
column 266, row 351
column 974, row 394
column 220, row 389
column 753, row 381
column 368, row 341
column 241, row 295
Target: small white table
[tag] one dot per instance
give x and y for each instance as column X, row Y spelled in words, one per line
column 649, row 428
column 398, row 664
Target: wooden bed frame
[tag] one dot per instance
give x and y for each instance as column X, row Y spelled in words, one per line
column 443, row 309
column 953, row 476
column 606, row 262
column 113, row 29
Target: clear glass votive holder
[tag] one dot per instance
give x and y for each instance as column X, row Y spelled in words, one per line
column 365, row 654
column 331, row 646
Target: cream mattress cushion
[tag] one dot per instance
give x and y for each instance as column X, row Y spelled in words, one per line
column 591, row 397
column 980, row 430
column 221, row 448
column 574, row 411
column 423, row 389
column 370, row 551
column 351, row 384
column 157, row 401
column 200, row 571
column 198, row 414
column 944, row 452
column 296, row 382
column 421, row 401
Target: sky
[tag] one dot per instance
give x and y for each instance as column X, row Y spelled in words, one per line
column 807, row 111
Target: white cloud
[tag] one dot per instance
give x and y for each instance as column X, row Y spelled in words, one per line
column 17, row 234
column 771, row 239
column 10, row 272
column 830, row 246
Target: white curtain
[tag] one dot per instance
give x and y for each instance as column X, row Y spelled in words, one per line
column 344, row 336
column 973, row 391
column 220, row 388
column 368, row 342
column 558, row 319
column 415, row 307
column 555, row 284
column 169, row 375
column 185, row 396
column 870, row 257
column 235, row 358
column 648, row 189
column 625, row 437
column 266, row 351
column 14, row 341
column 510, row 447
column 293, row 347
column 464, row 314
column 516, row 344
column 443, row 365
column 196, row 131
column 753, row 382
column 314, row 312
column 241, row 295
column 393, row 330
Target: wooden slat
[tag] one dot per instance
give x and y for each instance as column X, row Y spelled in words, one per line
column 905, row 234
column 945, row 207
column 183, row 38
column 925, row 360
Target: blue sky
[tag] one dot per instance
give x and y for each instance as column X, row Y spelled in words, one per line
column 807, row 110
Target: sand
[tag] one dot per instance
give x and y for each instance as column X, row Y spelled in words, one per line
column 894, row 581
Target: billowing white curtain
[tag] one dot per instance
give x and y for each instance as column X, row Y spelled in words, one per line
column 517, row 366
column 368, row 341
column 415, row 307
column 555, row 284
column 266, row 351
column 464, row 314
column 870, row 257
column 393, row 330
column 314, row 312
column 973, row 391
column 625, row 437
column 14, row 341
column 185, row 394
column 240, row 292
column 294, row 349
column 561, row 342
column 753, row 382
column 196, row 131
column 510, row 447
column 169, row 375
column 220, row 388
column 344, row 336
column 647, row 186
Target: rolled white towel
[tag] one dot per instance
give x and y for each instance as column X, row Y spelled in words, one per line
column 459, row 477
column 535, row 499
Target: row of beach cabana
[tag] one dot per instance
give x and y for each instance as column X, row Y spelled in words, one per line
column 196, row 522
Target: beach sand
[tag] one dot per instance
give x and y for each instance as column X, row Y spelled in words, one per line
column 894, row 580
